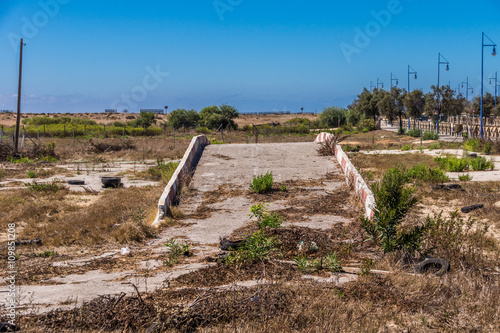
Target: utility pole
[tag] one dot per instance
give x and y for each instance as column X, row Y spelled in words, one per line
column 18, row 120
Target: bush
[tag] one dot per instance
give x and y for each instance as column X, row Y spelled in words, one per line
column 333, row 116
column 435, row 145
column 36, row 187
column 255, row 248
column 481, row 163
column 414, row 132
column 263, row 183
column 247, row 128
column 406, row 148
column 328, row 263
column 162, row 171
column 452, row 163
column 264, row 218
column 203, row 130
column 425, row 174
column 177, row 249
column 393, row 202
column 462, row 242
column 472, row 145
column 430, row 136
column 465, row 177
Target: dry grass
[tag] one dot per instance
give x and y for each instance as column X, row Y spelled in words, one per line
column 394, row 303
column 116, row 216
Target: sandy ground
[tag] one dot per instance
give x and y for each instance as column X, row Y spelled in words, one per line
column 220, row 164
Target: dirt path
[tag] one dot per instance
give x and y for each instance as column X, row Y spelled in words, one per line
column 220, row 186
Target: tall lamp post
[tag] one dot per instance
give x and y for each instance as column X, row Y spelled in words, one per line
column 372, row 86
column 494, row 53
column 467, row 88
column 441, row 61
column 411, row 71
column 379, row 82
column 496, row 86
column 394, row 78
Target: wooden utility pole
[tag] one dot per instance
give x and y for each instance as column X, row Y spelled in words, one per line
column 18, row 120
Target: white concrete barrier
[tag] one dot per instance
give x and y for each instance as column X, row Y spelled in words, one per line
column 353, row 177
column 185, row 167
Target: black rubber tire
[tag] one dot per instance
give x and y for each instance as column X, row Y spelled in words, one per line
column 227, row 245
column 76, row 182
column 473, row 155
column 468, row 209
column 7, row 327
column 424, row 266
column 113, row 182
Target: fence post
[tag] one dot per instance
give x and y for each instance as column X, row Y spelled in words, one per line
column 64, row 130
column 38, row 136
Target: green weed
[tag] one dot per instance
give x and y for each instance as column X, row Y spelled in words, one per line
column 472, row 145
column 264, row 218
column 430, row 136
column 481, row 163
column 255, row 248
column 465, row 177
column 177, row 249
column 263, row 183
column 406, row 147
column 36, row 187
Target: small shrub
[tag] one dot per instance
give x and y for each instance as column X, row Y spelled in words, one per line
column 36, row 187
column 247, row 128
column 435, row 145
column 393, row 202
column 472, row 145
column 406, row 148
column 264, row 218
column 31, row 174
column 365, row 130
column 487, row 147
column 452, row 163
column 462, row 241
column 423, row 173
column 177, row 249
column 203, row 130
column 47, row 254
column 430, row 136
column 414, row 132
column 283, row 188
column 328, row 263
column 23, row 160
column 481, row 163
column 465, row 177
column 263, row 183
column 255, row 248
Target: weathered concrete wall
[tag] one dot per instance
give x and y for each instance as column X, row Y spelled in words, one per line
column 353, row 177
column 185, row 167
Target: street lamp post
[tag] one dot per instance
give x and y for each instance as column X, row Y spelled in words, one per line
column 496, row 86
column 467, row 88
column 394, row 78
column 440, row 62
column 410, row 72
column 379, row 82
column 372, row 86
column 494, row 53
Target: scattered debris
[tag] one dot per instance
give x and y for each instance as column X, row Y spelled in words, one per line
column 125, row 251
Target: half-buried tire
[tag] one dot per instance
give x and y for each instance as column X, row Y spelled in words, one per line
column 441, row 266
column 76, row 182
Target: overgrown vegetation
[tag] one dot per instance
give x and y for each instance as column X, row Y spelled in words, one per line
column 455, row 164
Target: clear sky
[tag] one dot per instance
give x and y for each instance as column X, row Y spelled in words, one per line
column 88, row 55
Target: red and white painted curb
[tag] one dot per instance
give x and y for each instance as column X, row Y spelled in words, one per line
column 185, row 167
column 353, row 177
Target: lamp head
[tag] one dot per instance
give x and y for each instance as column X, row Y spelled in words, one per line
column 397, row 82
column 490, row 82
column 472, row 91
column 494, row 53
column 447, row 67
column 462, row 85
column 415, row 76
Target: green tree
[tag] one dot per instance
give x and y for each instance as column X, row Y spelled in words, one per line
column 445, row 100
column 333, row 116
column 414, row 102
column 215, row 116
column 488, row 104
column 183, row 118
column 145, row 119
column 366, row 103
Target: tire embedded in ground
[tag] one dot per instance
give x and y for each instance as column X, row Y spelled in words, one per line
column 430, row 263
column 113, row 182
column 227, row 245
column 76, row 182
column 468, row 209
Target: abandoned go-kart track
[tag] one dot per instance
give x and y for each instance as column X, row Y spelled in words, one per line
column 222, row 256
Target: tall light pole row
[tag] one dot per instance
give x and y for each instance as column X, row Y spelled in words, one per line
column 496, row 86
column 494, row 53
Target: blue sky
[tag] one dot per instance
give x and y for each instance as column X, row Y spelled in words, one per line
column 87, row 56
